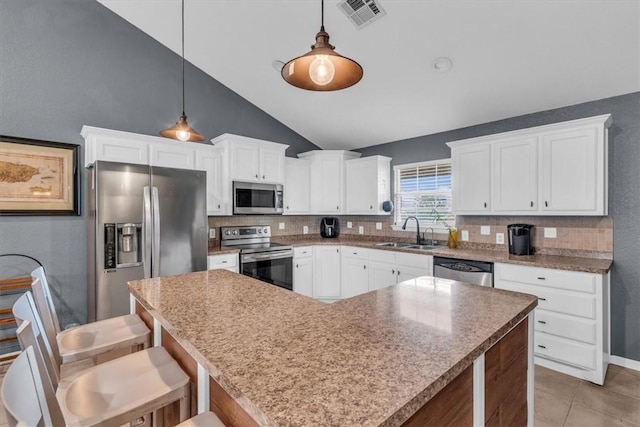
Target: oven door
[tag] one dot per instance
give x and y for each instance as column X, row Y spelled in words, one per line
column 273, row 267
column 253, row 198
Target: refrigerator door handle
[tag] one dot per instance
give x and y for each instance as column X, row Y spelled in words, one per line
column 155, row 246
column 146, row 231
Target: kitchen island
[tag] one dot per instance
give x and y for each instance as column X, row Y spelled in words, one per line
column 425, row 350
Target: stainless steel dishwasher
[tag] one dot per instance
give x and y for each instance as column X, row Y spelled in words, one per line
column 462, row 270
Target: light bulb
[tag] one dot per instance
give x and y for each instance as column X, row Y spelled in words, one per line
column 183, row 135
column 322, row 70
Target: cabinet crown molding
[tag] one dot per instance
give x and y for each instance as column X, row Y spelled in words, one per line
column 604, row 120
column 91, row 132
column 240, row 138
column 348, row 155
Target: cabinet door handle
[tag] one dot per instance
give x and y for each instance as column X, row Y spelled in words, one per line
column 398, row 272
column 393, row 272
column 542, row 321
column 337, row 250
column 297, row 266
column 337, row 208
column 531, row 204
column 218, row 206
column 541, row 346
column 264, row 177
column 546, row 205
column 541, row 278
column 257, row 176
column 364, row 267
column 542, row 299
column 485, row 204
column 370, row 206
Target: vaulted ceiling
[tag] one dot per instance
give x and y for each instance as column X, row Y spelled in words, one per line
column 510, row 57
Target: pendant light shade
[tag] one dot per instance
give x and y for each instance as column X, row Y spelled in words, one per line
column 322, row 68
column 181, row 130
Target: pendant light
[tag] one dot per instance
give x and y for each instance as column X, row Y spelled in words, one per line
column 181, row 130
column 322, row 68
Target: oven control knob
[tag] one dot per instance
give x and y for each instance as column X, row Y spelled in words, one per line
column 265, row 231
column 235, row 231
column 259, row 230
column 227, row 232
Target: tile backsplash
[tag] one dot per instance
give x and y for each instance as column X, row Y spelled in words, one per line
column 581, row 234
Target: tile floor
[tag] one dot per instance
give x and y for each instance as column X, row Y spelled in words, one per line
column 564, row 401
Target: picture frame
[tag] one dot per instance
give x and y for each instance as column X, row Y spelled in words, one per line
column 38, row 177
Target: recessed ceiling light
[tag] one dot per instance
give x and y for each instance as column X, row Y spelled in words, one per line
column 277, row 64
column 442, row 64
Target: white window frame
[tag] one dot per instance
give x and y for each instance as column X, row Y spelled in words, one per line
column 411, row 226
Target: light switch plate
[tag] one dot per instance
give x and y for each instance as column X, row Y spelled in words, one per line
column 378, row 226
column 349, row 224
column 550, row 232
column 500, row 238
column 361, row 230
column 305, row 229
column 465, row 235
column 485, row 230
column 212, row 233
column 281, row 226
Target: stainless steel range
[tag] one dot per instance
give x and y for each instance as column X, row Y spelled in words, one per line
column 259, row 257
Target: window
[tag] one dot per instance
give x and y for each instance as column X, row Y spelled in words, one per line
column 423, row 190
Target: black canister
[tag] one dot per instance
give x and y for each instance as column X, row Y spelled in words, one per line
column 520, row 239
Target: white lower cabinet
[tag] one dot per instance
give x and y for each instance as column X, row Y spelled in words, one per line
column 303, row 270
column 388, row 267
column 354, row 271
column 326, row 283
column 571, row 320
column 225, row 261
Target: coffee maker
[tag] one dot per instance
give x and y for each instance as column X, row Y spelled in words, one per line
column 520, row 239
column 329, row 227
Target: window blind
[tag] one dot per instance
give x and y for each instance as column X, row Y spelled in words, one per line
column 423, row 190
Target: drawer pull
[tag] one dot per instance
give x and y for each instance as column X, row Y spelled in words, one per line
column 542, row 299
column 541, row 346
column 542, row 321
column 355, row 253
column 297, row 266
column 224, row 262
column 542, row 278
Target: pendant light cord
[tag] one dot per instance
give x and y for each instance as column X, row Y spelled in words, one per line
column 183, row 57
column 321, row 15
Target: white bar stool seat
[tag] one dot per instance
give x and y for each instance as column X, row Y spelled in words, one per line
column 90, row 340
column 206, row 419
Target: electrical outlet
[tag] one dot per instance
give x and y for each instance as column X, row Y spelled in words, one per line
column 360, row 230
column 349, row 224
column 281, row 226
column 212, row 233
column 378, row 226
column 500, row 238
column 550, row 233
column 465, row 235
column 305, row 229
column 485, row 230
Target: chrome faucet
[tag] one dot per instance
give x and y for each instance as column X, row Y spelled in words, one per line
column 404, row 227
column 433, row 240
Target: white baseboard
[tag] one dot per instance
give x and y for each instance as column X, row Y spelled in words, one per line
column 625, row 363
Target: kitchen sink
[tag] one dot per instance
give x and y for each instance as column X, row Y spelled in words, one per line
column 422, row 247
column 395, row 244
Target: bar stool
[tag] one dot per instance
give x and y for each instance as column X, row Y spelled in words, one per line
column 113, row 393
column 24, row 396
column 90, row 340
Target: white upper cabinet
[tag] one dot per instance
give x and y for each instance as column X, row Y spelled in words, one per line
column 218, row 200
column 173, row 156
column 558, row 169
column 471, row 184
column 327, row 179
column 253, row 160
column 515, row 175
column 297, row 173
column 573, row 172
column 367, row 185
column 116, row 146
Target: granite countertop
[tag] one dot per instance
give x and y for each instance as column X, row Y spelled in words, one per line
column 370, row 360
column 572, row 263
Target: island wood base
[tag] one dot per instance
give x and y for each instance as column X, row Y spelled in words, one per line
column 497, row 390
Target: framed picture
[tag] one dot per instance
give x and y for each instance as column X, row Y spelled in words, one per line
column 38, row 177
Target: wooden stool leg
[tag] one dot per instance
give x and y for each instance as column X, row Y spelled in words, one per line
column 185, row 404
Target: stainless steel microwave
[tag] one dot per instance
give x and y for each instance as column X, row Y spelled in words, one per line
column 251, row 198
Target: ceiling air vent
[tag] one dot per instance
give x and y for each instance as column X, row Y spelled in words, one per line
column 362, row 12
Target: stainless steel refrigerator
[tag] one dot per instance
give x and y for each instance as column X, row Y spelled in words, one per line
column 144, row 221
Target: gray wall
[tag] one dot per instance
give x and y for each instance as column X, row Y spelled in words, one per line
column 69, row 63
column 624, row 194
